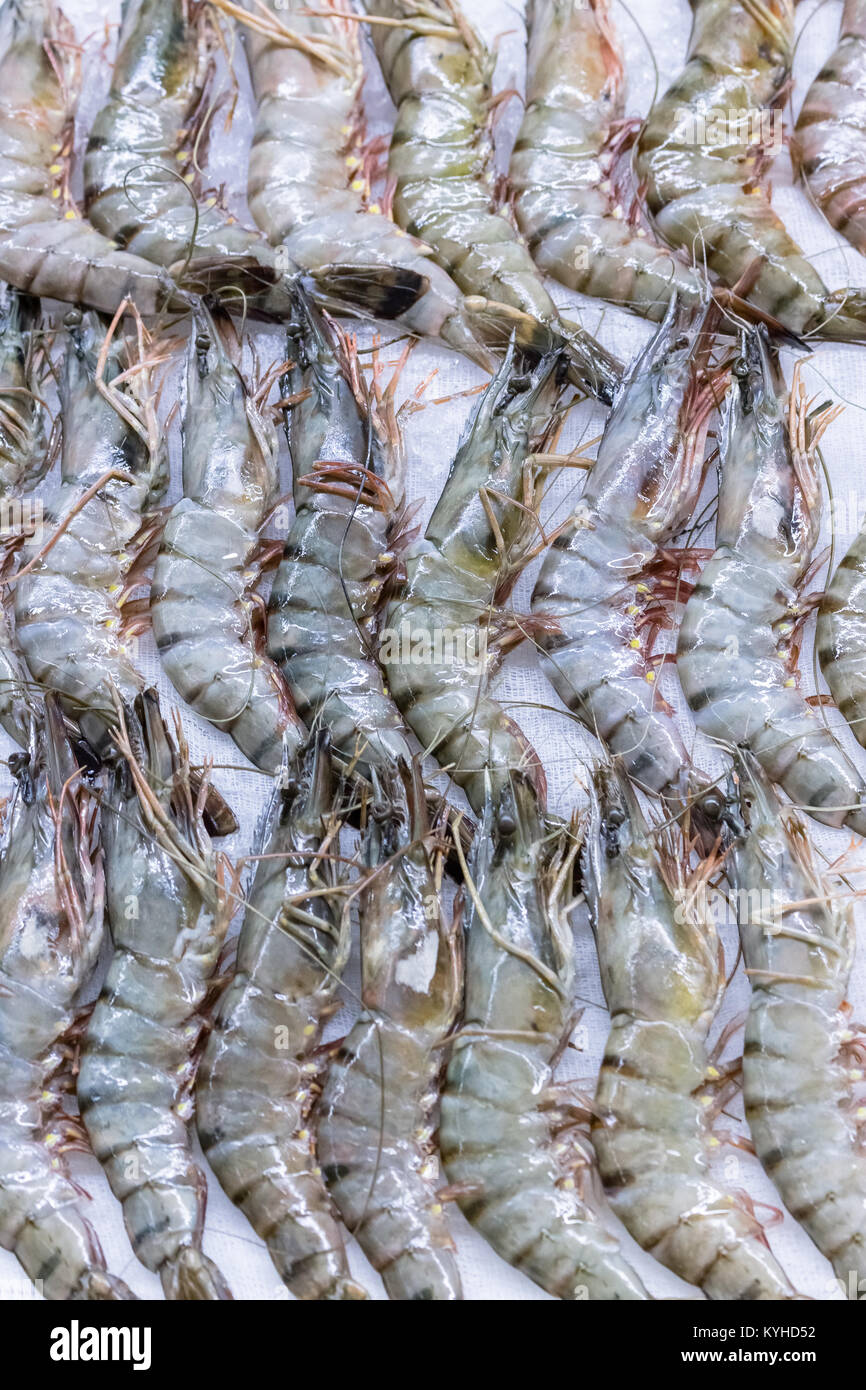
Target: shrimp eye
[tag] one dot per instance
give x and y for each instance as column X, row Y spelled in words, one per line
column 507, row 826
column 616, row 818
column 202, row 342
column 73, row 318
column 712, row 806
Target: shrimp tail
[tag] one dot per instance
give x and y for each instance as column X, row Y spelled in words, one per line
column 192, row 1277
column 383, row 292
column 98, row 1286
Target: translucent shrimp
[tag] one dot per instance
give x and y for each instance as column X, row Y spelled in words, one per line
column 829, row 142
column 592, row 591
column 375, row 1122
column 339, row 556
column 441, row 641
column 798, row 1088
column 738, row 640
column 168, row 916
column 50, row 938
column 142, row 181
column 840, row 637
column 439, row 74
column 255, row 1082
column 508, row 1133
column 663, row 975
column 702, row 154
column 74, row 617
column 202, row 608
column 560, row 168
column 46, row 247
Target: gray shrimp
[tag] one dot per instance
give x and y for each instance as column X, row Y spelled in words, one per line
column 662, row 970
column 592, row 591
column 51, row 929
column 829, row 142
column 560, row 170
column 701, row 157
column 441, row 640
column 46, row 247
column 840, row 636
column 75, row 621
column 202, row 603
column 439, row 72
column 798, row 947
column 738, row 640
column 257, row 1077
column 508, row 1133
column 339, row 555
column 375, row 1124
column 168, row 914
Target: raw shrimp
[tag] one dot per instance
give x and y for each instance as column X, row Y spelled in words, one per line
column 142, row 185
column 702, row 155
column 738, row 641
column 73, row 615
column 840, row 637
column 562, row 161
column 374, row 1118
column 307, row 188
column 46, row 247
column 829, row 143
column 508, row 1133
column 168, row 915
column 51, row 914
column 662, row 970
column 256, row 1079
column 339, row 555
column 592, row 590
column 798, row 947
column 441, row 642
column 25, row 457
column 201, row 597
column 439, row 74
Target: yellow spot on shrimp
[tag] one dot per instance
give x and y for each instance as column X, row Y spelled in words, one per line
column 303, row 1135
column 855, row 1074
column 860, row 1112
column 632, row 609
column 51, row 1140
column 712, row 1073
column 650, row 675
column 642, row 588
column 635, row 642
column 436, row 1209
column 706, row 1100
column 790, row 682
column 309, row 1030
column 568, row 1184
column 55, row 149
column 713, row 1142
column 55, row 192
column 69, row 215
column 352, row 161
column 55, row 168
column 374, row 209
column 357, row 185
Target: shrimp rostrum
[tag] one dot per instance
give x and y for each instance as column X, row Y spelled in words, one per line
column 511, row 1138
column 375, row 1120
column 739, row 637
column 258, row 1076
column 799, row 1084
column 702, row 156
column 51, row 926
column 168, row 912
column 662, row 971
column 594, row 592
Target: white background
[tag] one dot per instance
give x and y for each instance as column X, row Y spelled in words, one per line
column 653, row 58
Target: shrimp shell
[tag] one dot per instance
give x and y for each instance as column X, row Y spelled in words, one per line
column 706, row 191
column 51, row 929
column 737, row 644
column 840, row 636
column 253, row 1093
column 139, row 1054
column 829, row 142
column 509, row 1151
column 662, row 970
column 560, row 168
column 374, row 1117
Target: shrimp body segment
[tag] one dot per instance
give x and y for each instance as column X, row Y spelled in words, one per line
column 559, row 171
column 642, row 489
column 440, row 160
column 375, row 1116
column 71, row 616
column 256, row 1080
column 509, row 1143
column 51, row 929
column 840, row 636
column 736, row 656
column 306, row 186
column 798, row 947
column 201, row 604
column 663, row 976
column 328, row 593
column 441, row 646
column 829, row 144
column 702, row 154
column 139, row 1053
column 46, row 247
